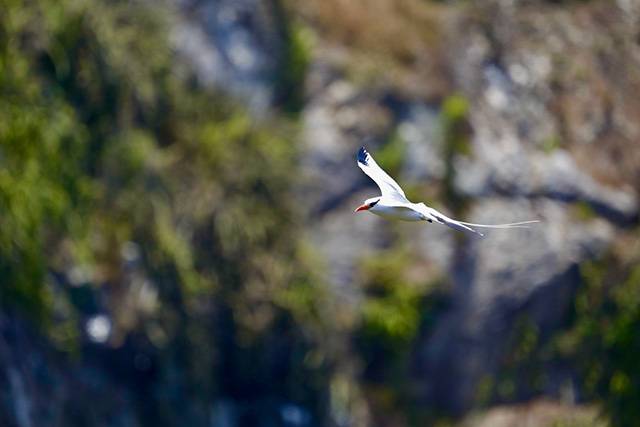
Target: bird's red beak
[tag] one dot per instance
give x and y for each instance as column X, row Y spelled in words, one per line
column 362, row 208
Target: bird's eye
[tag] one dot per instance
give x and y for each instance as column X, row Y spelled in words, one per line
column 375, row 202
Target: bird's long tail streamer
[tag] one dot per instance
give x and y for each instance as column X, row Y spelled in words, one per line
column 522, row 224
column 467, row 226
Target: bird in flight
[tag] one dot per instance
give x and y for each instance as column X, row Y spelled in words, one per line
column 393, row 204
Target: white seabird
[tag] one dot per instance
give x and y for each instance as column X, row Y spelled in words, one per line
column 393, row 204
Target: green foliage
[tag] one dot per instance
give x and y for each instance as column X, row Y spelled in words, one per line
column 581, row 421
column 455, row 109
column 399, row 304
column 298, row 42
column 455, row 136
column 104, row 147
column 391, row 155
column 522, row 372
column 40, row 140
column 603, row 340
column 551, row 144
column 600, row 341
column 126, row 189
column 392, row 308
column 584, row 211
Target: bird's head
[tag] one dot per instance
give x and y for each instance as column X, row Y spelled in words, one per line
column 368, row 204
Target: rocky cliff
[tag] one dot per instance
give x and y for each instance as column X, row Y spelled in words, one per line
column 497, row 111
column 547, row 130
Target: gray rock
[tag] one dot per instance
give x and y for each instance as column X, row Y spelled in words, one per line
column 506, row 275
column 230, row 44
column 336, row 122
column 345, row 239
column 511, row 121
column 512, row 175
column 507, row 177
column 504, row 166
column 419, row 130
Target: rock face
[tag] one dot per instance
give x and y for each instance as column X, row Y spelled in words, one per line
column 232, row 45
column 40, row 386
column 527, row 161
column 539, row 413
column 497, row 281
column 532, row 273
column 548, row 127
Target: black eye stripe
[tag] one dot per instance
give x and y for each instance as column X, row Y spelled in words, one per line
column 374, row 203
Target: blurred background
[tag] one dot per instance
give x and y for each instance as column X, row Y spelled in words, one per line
column 177, row 242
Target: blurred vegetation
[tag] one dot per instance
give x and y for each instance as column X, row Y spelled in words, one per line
column 455, row 129
column 603, row 340
column 391, row 154
column 599, row 340
column 405, row 50
column 127, row 190
column 400, row 305
column 293, row 67
column 522, row 373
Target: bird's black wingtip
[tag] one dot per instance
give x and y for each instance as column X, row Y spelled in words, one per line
column 362, row 156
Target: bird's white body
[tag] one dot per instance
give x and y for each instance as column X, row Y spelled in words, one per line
column 391, row 210
column 393, row 204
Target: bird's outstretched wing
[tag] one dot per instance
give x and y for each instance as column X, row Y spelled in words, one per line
column 388, row 187
column 434, row 215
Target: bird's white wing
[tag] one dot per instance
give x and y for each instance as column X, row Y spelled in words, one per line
column 434, row 215
column 388, row 187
